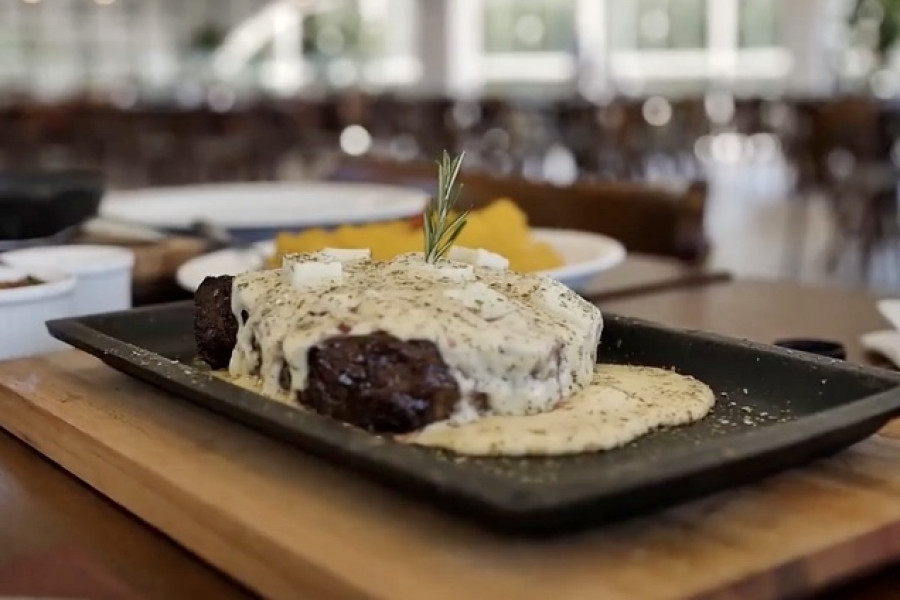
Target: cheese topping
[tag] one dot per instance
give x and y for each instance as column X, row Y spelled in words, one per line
column 478, row 257
column 525, row 342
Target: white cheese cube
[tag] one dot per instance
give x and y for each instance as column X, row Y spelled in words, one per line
column 479, row 257
column 347, row 254
column 462, row 254
column 304, row 274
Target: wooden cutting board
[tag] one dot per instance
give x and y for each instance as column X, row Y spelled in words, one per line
column 291, row 526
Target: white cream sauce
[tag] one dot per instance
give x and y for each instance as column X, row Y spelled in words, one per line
column 526, row 342
column 621, row 404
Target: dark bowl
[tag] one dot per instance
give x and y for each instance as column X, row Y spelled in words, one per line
column 41, row 204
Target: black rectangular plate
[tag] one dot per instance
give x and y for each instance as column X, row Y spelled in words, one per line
column 775, row 409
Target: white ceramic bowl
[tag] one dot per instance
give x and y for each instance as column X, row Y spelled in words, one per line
column 24, row 310
column 103, row 273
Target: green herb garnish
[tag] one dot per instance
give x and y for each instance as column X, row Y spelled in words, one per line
column 441, row 228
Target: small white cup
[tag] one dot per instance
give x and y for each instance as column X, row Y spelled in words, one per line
column 103, row 273
column 24, row 310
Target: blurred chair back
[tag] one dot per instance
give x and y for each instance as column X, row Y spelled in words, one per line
column 644, row 218
column 849, row 129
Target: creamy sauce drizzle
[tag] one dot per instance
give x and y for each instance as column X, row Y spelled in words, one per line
column 621, row 404
column 526, row 342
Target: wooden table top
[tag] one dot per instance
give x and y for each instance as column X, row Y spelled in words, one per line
column 765, row 311
column 762, row 311
column 42, row 509
column 642, row 274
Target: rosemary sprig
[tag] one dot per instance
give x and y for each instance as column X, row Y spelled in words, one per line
column 441, row 229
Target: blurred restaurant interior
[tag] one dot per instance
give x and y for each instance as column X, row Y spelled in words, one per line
column 785, row 110
column 694, row 168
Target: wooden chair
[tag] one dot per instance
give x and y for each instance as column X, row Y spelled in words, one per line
column 645, row 219
column 862, row 192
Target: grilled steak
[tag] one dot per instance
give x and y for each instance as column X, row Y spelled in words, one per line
column 377, row 382
column 215, row 328
column 380, row 383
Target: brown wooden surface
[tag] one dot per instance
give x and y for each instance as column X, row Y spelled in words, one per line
column 41, row 508
column 762, row 311
column 643, row 274
column 289, row 525
column 766, row 311
column 44, row 510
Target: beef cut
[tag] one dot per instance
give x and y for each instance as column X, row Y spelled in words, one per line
column 380, row 383
column 377, row 381
column 215, row 328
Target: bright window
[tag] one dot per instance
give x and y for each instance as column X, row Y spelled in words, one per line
column 759, row 23
column 529, row 26
column 693, row 41
column 354, row 42
column 669, row 24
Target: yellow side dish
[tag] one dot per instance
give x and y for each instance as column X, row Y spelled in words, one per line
column 499, row 227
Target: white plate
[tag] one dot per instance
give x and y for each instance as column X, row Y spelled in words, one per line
column 584, row 255
column 264, row 206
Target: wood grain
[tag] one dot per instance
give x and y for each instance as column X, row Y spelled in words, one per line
column 44, row 512
column 292, row 526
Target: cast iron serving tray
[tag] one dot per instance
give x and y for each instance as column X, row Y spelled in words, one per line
column 775, row 409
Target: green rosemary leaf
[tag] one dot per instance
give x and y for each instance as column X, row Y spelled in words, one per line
column 453, row 231
column 439, row 228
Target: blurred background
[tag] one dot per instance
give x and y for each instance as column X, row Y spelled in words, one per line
column 786, row 110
